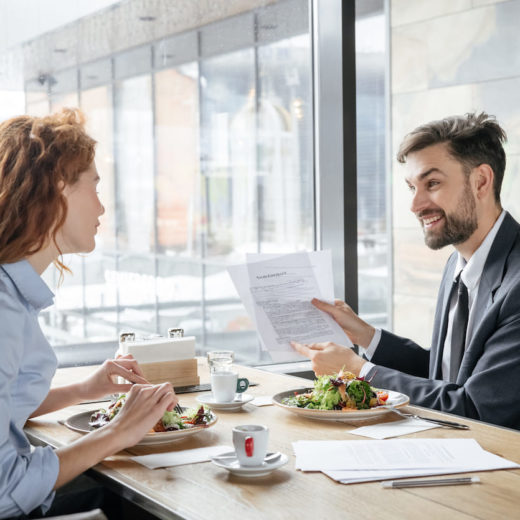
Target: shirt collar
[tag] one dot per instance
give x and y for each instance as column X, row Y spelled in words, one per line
column 471, row 271
column 30, row 284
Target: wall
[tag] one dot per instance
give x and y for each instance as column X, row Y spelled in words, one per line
column 447, row 57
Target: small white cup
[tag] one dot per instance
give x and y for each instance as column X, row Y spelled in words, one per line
column 250, row 441
column 226, row 384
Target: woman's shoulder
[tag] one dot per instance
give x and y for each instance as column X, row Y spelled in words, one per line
column 13, row 324
column 11, row 301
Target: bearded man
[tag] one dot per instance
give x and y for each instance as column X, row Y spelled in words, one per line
column 455, row 168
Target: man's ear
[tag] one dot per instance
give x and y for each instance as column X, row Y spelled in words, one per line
column 483, row 177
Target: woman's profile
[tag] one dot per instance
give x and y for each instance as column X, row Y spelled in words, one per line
column 49, row 206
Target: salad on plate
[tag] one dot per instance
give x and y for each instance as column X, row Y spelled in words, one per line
column 170, row 421
column 342, row 391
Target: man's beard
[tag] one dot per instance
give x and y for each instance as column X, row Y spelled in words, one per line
column 457, row 227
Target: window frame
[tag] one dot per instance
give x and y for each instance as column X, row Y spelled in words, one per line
column 332, row 30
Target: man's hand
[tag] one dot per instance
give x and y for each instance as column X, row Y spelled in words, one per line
column 329, row 358
column 359, row 331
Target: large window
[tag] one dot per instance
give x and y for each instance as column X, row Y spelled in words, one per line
column 205, row 122
column 446, row 60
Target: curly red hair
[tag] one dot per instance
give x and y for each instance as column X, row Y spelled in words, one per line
column 38, row 157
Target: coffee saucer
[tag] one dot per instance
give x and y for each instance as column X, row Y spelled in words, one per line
column 240, row 400
column 230, row 462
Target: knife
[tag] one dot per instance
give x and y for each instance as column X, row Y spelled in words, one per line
column 440, row 422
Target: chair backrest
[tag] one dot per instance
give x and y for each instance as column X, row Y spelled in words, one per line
column 95, row 514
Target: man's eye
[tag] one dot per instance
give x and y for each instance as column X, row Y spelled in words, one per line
column 432, row 184
column 411, row 188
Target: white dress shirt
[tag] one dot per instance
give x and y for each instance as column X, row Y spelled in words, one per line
column 471, row 272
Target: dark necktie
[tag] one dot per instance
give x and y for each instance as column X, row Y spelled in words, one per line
column 458, row 330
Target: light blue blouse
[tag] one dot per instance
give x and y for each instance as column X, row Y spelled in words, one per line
column 27, row 365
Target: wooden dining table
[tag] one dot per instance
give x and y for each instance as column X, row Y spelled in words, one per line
column 205, row 491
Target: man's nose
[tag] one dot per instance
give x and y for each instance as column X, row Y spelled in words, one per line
column 419, row 202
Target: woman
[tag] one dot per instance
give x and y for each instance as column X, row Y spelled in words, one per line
column 48, row 207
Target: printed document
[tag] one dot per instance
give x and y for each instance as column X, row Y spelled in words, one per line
column 277, row 293
column 350, row 462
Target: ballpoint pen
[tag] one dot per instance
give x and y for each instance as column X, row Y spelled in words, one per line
column 395, row 484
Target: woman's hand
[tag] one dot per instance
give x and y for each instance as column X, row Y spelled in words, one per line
column 144, row 406
column 359, row 331
column 329, row 358
column 103, row 381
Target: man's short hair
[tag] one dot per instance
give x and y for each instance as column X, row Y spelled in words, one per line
column 472, row 139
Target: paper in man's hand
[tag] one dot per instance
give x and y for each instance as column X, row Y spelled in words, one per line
column 277, row 293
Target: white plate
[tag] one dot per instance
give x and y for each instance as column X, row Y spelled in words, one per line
column 230, row 462
column 79, row 423
column 395, row 399
column 239, row 401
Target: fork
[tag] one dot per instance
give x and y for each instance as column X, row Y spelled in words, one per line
column 446, row 424
column 178, row 408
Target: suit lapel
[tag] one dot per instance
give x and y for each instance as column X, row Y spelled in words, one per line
column 493, row 272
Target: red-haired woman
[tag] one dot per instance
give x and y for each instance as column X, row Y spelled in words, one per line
column 48, row 207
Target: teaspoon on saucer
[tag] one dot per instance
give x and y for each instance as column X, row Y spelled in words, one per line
column 270, row 457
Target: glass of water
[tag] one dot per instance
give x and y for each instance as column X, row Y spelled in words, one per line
column 220, row 360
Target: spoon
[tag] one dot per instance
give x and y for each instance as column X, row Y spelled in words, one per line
column 270, row 457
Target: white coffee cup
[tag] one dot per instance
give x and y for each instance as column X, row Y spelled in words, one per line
column 250, row 441
column 226, row 384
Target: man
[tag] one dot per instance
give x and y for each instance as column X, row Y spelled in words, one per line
column 455, row 168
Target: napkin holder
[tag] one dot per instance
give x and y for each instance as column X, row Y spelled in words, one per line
column 165, row 359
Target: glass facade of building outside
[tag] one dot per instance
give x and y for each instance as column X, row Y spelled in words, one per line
column 203, row 113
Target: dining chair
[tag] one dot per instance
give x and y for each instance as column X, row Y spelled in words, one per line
column 95, row 514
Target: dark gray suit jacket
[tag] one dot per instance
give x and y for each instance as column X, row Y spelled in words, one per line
column 488, row 384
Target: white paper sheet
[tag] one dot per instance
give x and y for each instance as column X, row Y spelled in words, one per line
column 277, row 292
column 393, row 454
column 321, row 263
column 393, row 429
column 178, row 458
column 262, row 400
column 487, row 462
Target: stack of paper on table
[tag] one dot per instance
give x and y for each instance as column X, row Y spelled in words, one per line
column 165, row 359
column 362, row 461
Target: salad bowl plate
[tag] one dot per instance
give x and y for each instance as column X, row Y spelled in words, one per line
column 80, row 423
column 395, row 400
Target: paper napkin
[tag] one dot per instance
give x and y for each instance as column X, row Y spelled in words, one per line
column 178, row 458
column 262, row 400
column 393, row 429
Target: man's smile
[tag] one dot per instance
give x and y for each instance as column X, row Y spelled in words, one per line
column 431, row 221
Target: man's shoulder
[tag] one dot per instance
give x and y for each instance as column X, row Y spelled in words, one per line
column 507, row 241
column 510, row 225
